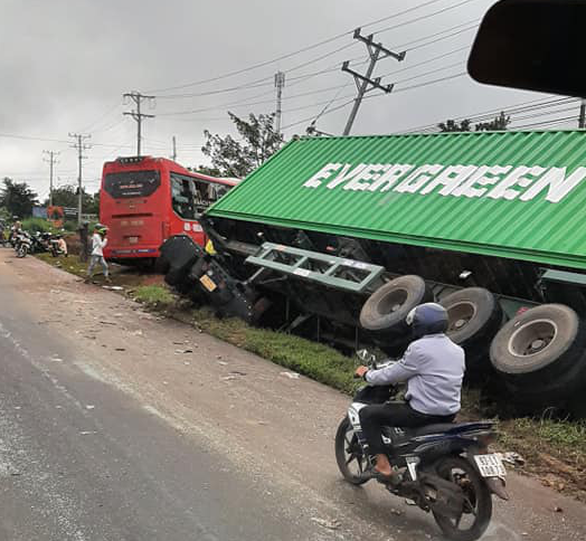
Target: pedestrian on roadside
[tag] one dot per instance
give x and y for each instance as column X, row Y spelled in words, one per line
column 99, row 242
column 62, row 246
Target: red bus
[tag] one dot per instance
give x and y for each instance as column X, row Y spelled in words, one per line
column 145, row 200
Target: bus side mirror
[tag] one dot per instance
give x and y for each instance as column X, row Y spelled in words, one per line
column 532, row 45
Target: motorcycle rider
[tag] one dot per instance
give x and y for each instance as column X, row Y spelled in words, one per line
column 432, row 366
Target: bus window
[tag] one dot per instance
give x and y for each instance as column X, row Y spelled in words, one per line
column 131, row 183
column 183, row 197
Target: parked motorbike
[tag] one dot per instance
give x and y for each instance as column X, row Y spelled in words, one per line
column 23, row 243
column 41, row 242
column 442, row 468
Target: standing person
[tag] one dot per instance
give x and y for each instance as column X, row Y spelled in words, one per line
column 99, row 242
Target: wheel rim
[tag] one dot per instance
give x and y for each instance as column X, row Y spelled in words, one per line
column 392, row 301
column 459, row 315
column 354, row 458
column 532, row 338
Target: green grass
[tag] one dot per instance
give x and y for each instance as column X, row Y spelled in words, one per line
column 70, row 264
column 317, row 361
column 155, row 296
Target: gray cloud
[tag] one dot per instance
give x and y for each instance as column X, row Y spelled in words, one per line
column 65, row 64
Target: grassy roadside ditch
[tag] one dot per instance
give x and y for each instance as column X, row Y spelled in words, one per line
column 554, row 450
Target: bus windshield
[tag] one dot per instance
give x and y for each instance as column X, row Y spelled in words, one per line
column 132, row 183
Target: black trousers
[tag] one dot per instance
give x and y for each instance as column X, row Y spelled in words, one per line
column 398, row 414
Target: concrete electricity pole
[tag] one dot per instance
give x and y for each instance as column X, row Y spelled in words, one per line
column 52, row 160
column 364, row 83
column 80, row 146
column 582, row 117
column 174, row 156
column 279, row 85
column 137, row 98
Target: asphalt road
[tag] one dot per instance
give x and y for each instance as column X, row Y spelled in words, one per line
column 80, row 460
column 115, row 425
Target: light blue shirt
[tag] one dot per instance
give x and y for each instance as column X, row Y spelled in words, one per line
column 433, row 368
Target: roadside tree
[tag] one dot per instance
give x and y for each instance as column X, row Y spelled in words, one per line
column 237, row 157
column 17, row 198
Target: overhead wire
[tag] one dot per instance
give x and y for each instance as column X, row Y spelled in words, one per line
column 316, row 45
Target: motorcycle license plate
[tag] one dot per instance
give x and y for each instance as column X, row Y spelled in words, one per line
column 490, row 465
column 207, row 282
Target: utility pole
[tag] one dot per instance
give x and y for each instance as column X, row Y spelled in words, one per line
column 174, row 150
column 137, row 98
column 582, row 118
column 80, row 146
column 52, row 160
column 364, row 83
column 279, row 85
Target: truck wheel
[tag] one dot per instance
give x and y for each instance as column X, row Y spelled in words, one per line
column 538, row 346
column 475, row 317
column 384, row 312
column 559, row 393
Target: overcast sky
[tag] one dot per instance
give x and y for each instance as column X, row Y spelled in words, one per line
column 65, row 64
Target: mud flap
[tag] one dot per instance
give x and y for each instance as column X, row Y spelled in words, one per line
column 497, row 486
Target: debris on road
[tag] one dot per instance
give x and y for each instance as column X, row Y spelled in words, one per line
column 514, row 459
column 329, row 524
column 290, row 375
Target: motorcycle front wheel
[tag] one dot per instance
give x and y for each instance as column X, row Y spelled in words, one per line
column 477, row 511
column 351, row 460
column 22, row 251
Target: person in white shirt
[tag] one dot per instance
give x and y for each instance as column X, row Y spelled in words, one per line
column 99, row 242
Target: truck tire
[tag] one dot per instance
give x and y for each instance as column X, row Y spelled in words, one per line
column 539, row 346
column 561, row 393
column 384, row 312
column 475, row 317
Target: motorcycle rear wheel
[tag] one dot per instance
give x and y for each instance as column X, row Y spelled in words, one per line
column 478, row 504
column 348, row 452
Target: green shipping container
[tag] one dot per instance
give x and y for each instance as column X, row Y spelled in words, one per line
column 518, row 195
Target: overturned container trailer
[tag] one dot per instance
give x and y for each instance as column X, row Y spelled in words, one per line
column 338, row 238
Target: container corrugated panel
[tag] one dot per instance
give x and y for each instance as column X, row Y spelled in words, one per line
column 519, row 195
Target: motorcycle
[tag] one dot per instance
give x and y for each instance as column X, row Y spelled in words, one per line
column 23, row 243
column 444, row 469
column 41, row 242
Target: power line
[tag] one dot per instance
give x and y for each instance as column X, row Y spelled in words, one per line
column 487, row 114
column 423, row 17
column 310, row 47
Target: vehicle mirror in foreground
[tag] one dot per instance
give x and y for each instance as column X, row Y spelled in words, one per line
column 532, row 45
